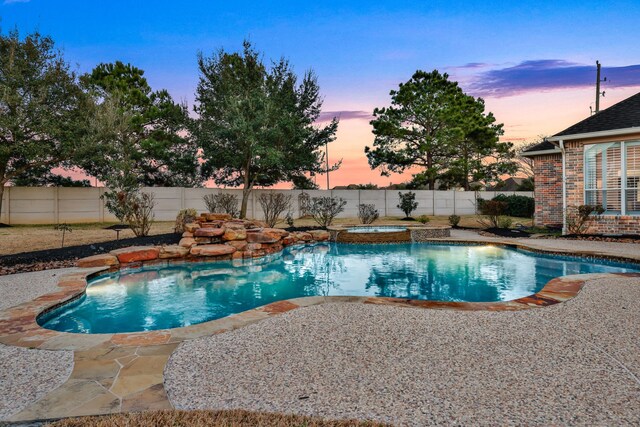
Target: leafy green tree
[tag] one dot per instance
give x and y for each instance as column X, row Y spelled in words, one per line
column 433, row 125
column 256, row 123
column 43, row 111
column 302, row 182
column 142, row 137
column 407, row 203
column 43, row 177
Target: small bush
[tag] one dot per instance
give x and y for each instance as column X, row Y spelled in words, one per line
column 491, row 211
column 289, row 219
column 454, row 220
column 325, row 209
column 367, row 213
column 273, row 205
column 211, row 202
column 578, row 217
column 141, row 215
column 185, row 216
column 407, row 203
column 518, row 206
column 504, row 222
column 423, row 219
column 133, row 208
column 222, row 203
column 117, row 202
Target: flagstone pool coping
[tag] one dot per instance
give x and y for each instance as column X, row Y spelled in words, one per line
column 123, row 372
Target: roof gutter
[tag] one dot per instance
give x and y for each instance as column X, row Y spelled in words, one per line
column 539, row 152
column 613, row 132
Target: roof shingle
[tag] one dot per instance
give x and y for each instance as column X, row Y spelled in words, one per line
column 625, row 114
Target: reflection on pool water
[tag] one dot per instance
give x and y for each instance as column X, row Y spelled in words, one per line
column 158, row 297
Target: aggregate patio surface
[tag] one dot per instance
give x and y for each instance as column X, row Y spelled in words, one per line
column 27, row 375
column 577, row 362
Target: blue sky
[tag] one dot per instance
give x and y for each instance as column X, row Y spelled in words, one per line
column 532, row 61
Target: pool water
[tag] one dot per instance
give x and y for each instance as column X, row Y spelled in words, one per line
column 159, row 297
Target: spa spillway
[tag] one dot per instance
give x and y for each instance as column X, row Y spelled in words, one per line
column 387, row 233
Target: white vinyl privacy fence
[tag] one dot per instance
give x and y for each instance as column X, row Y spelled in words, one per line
column 33, row 205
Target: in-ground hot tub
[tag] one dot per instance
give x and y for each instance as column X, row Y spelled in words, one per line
column 387, row 233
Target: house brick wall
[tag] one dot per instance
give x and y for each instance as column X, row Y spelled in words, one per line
column 548, row 190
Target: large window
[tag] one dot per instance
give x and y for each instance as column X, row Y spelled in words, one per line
column 612, row 177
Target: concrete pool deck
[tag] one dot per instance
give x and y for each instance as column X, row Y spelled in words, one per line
column 124, row 372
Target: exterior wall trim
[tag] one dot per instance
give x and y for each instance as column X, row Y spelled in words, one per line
column 612, row 132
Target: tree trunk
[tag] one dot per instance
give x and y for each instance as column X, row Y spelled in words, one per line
column 432, row 179
column 246, row 191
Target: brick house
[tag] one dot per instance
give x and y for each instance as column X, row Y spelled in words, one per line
column 594, row 162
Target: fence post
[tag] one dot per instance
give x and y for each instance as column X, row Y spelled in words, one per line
column 56, row 206
column 385, row 203
column 433, row 202
column 7, row 190
column 454, row 201
column 101, row 204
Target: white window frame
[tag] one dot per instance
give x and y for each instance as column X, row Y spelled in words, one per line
column 623, row 176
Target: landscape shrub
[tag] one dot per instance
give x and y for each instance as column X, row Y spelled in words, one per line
column 289, row 219
column 490, row 212
column 367, row 213
column 423, row 219
column 117, row 202
column 518, row 206
column 578, row 217
column 132, row 207
column 140, row 214
column 407, row 203
column 325, row 209
column 185, row 216
column 273, row 205
column 454, row 220
column 222, row 203
column 304, row 204
column 210, row 202
column 504, row 222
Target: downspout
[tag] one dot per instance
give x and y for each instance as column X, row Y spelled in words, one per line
column 564, row 188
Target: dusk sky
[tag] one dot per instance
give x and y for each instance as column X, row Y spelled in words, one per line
column 532, row 61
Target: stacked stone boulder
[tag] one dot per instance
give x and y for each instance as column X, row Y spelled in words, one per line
column 212, row 236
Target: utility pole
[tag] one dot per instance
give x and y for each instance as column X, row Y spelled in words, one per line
column 598, row 81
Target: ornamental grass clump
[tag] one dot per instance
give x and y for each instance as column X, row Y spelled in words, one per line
column 184, row 217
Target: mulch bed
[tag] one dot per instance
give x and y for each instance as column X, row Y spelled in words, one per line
column 504, row 232
column 305, row 229
column 226, row 418
column 66, row 257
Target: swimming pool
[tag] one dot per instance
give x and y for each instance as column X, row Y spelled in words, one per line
column 175, row 295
